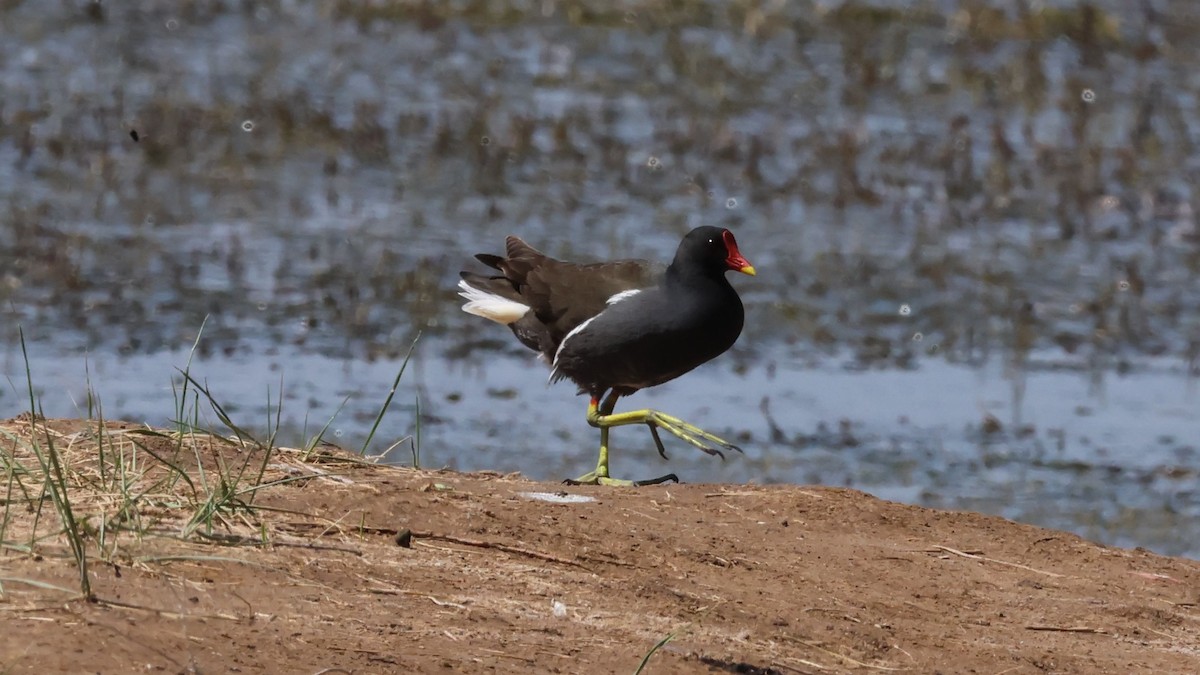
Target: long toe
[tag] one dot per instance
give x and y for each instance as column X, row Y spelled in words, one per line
column 731, row 447
column 593, row 479
column 613, row 482
column 709, row 443
column 669, row 478
column 589, row 478
column 658, row 444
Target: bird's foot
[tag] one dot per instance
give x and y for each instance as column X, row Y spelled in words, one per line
column 709, row 443
column 591, row 478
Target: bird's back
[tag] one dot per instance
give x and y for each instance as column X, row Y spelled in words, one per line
column 560, row 295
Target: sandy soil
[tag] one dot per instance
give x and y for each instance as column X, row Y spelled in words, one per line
column 498, row 577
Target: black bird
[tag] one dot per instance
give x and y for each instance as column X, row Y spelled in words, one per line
column 616, row 327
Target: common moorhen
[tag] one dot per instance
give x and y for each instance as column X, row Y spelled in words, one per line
column 616, row 327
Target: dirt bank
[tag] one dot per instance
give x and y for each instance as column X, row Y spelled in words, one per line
column 190, row 576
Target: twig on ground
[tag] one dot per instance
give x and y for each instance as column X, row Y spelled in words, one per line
column 37, row 584
column 505, row 655
column 161, row 612
column 1068, row 629
column 833, row 610
column 401, row 591
column 1166, row 635
column 478, row 543
column 803, row 662
column 515, row 550
column 973, row 556
column 843, row 657
column 607, row 561
column 239, row 540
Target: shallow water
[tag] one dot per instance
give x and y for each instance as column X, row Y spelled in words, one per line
column 1113, row 457
column 986, row 215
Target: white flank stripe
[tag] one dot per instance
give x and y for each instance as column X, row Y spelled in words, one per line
column 562, row 344
column 623, row 295
column 490, row 305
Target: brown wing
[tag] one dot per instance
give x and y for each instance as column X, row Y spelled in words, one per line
column 562, row 295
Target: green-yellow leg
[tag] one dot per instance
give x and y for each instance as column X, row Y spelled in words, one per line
column 601, row 415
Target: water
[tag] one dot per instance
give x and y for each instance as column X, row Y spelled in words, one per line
column 1112, row 457
column 975, row 239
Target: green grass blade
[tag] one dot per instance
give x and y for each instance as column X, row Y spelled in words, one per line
column 316, row 440
column 392, row 393
column 54, row 477
column 646, row 659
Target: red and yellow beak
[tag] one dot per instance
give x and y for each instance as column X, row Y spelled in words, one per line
column 736, row 261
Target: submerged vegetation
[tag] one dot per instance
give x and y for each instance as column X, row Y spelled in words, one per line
column 1004, row 169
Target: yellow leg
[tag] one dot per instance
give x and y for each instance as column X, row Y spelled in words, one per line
column 600, row 475
column 604, row 418
column 601, row 415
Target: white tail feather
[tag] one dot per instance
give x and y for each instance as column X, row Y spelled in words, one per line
column 489, row 305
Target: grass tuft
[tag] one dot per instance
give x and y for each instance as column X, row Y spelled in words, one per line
column 54, row 478
column 152, row 509
column 113, row 485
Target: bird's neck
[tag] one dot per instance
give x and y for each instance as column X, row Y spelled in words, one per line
column 682, row 274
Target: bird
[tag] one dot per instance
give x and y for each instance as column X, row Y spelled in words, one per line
column 614, row 328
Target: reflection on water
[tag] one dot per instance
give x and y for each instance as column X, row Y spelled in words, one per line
column 974, row 225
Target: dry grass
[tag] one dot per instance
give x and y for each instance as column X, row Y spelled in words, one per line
column 128, row 483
